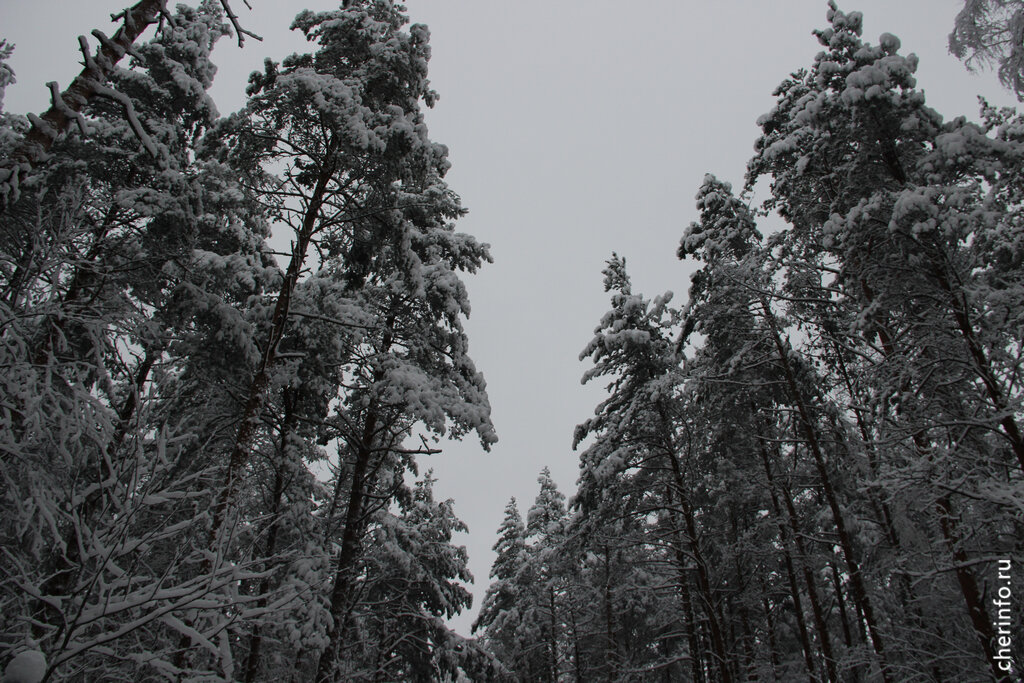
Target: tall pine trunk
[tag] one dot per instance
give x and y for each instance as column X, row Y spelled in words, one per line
column 689, row 616
column 256, row 394
column 705, row 591
column 860, row 593
column 787, row 555
column 288, row 424
column 348, row 554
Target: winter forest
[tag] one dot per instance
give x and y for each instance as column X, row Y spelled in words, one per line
column 233, row 345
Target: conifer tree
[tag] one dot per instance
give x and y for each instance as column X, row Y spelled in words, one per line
column 886, row 202
column 98, row 296
column 195, row 392
column 988, row 33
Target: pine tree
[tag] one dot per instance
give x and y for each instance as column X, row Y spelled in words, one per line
column 92, row 83
column 414, row 580
column 988, row 33
column 511, row 556
column 194, row 391
column 523, row 614
column 101, row 290
column 887, row 201
column 641, row 441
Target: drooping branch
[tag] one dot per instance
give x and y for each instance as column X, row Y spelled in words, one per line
column 131, row 116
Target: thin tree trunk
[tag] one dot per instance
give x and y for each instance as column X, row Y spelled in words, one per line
column 553, row 638
column 255, row 635
column 773, row 646
column 860, row 593
column 746, row 637
column 965, row 578
column 820, row 623
column 983, row 368
column 577, row 655
column 703, row 582
column 348, row 554
column 872, row 455
column 784, row 537
column 690, row 618
column 838, row 585
column 609, row 632
column 278, row 322
column 969, row 588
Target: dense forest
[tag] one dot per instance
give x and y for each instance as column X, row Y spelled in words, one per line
column 812, row 469
column 228, row 342
column 207, row 456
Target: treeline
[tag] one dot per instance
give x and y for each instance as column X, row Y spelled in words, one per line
column 814, row 470
column 208, row 448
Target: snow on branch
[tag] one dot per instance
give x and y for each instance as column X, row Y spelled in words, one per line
column 131, row 115
column 58, row 119
column 98, row 68
column 59, row 103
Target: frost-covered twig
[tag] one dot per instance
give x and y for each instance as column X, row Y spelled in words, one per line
column 131, row 115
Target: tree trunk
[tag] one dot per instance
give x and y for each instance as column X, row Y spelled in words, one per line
column 965, row 578
column 787, row 557
column 577, row 655
column 860, row 594
column 820, row 623
column 689, row 617
column 746, row 637
column 348, row 554
column 609, row 632
column 278, row 322
column 255, row 635
column 969, row 588
column 773, row 646
column 983, row 368
column 703, row 582
column 553, row 638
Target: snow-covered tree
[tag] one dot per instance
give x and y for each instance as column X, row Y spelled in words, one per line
column 523, row 615
column 990, row 33
column 193, row 392
column 822, row 445
column 413, row 579
column 502, row 593
column 91, row 84
column 890, row 209
column 96, row 295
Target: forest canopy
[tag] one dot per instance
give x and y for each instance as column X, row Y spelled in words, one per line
column 812, row 468
column 230, row 343
column 207, row 453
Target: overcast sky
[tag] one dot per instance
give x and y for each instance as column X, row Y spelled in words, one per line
column 576, row 129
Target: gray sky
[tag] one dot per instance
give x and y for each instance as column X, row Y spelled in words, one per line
column 575, row 129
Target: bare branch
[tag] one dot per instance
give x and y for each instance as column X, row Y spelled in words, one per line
column 233, row 18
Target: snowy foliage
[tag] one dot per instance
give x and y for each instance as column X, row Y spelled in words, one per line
column 813, row 469
column 988, row 33
column 203, row 454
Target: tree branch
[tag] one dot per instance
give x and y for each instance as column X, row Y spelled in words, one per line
column 58, row 119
